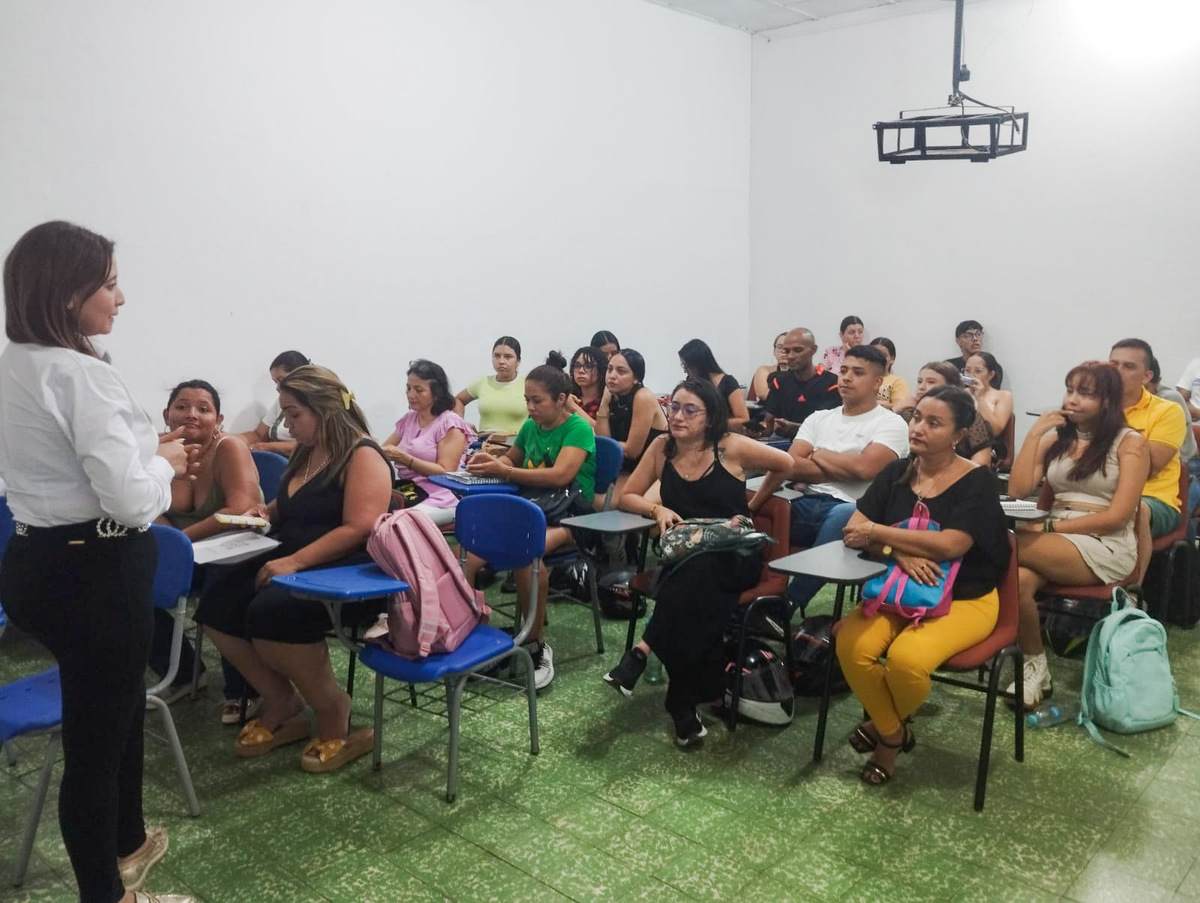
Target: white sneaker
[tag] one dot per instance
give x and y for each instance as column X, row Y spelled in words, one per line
column 134, row 868
column 543, row 667
column 231, row 710
column 142, row 897
column 1038, row 685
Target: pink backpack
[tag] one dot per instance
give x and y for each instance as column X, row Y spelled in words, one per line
column 440, row 609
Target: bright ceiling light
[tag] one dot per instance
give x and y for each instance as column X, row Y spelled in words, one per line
column 1145, row 32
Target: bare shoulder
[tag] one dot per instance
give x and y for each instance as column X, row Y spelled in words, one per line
column 1134, row 443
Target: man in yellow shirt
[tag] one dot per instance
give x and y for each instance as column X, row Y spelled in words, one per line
column 1162, row 423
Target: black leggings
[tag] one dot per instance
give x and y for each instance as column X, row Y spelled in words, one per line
column 88, row 601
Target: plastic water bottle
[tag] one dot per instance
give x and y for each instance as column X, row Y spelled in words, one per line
column 654, row 670
column 1049, row 715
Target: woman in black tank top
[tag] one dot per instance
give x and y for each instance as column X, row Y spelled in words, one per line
column 702, row 469
column 335, row 487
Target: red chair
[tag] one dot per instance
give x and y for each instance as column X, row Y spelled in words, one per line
column 988, row 657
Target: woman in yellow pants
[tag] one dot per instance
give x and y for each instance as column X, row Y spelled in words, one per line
column 965, row 500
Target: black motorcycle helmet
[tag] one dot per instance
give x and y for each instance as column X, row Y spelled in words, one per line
column 767, row 695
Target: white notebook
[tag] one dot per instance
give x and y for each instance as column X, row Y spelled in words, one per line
column 230, row 548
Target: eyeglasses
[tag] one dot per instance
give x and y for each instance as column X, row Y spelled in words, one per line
column 583, row 366
column 688, row 410
column 972, row 334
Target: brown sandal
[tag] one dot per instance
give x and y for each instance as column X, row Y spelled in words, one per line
column 322, row 756
column 255, row 740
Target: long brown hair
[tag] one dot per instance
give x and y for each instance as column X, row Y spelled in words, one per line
column 1100, row 378
column 341, row 424
column 51, row 266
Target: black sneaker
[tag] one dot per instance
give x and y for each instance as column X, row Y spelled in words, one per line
column 689, row 730
column 624, row 677
column 510, row 583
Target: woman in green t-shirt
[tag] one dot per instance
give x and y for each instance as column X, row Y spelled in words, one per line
column 501, row 402
column 554, row 449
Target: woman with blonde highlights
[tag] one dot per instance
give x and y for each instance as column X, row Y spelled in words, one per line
column 336, row 485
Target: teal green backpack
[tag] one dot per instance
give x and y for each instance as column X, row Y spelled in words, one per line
column 1127, row 682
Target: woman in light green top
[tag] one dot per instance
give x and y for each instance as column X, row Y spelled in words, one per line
column 501, row 397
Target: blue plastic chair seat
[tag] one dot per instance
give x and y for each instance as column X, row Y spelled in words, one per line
column 30, row 704
column 348, row 583
column 483, row 643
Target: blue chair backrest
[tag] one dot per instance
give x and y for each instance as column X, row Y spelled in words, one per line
column 6, row 525
column 608, row 462
column 270, row 471
column 173, row 575
column 506, row 531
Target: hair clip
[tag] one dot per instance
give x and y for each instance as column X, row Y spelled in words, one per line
column 347, row 398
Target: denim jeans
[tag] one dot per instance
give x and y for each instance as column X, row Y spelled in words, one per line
column 816, row 519
column 1193, row 499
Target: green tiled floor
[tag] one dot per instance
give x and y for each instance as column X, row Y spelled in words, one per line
column 610, row 810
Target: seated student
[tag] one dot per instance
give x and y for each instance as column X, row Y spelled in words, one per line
column 893, row 393
column 225, row 482
column 1188, row 386
column 1163, row 425
column 977, row 443
column 851, row 333
column 801, row 389
column 885, row 658
column 429, row 440
column 272, row 434
column 702, row 468
column 758, row 383
column 1097, row 467
column 336, row 486
column 605, row 342
column 838, row 452
column 698, row 363
column 629, row 412
column 554, row 449
column 501, row 398
column 1188, row 452
column 588, row 368
column 969, row 336
column 994, row 405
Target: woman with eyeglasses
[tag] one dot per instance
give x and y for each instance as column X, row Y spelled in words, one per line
column 698, row 363
column 430, row 439
column 629, row 412
column 758, row 383
column 589, row 365
column 701, row 467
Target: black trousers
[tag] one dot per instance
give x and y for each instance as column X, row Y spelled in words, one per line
column 692, row 611
column 88, row 600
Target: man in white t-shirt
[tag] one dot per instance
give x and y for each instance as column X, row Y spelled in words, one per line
column 1187, row 386
column 838, row 453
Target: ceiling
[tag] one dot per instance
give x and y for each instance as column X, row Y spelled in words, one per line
column 754, row 16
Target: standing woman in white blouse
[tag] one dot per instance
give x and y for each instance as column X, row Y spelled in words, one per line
column 86, row 475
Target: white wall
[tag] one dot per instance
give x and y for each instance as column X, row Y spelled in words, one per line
column 1089, row 236
column 378, row 181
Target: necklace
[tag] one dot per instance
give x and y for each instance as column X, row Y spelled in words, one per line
column 307, row 464
column 931, row 483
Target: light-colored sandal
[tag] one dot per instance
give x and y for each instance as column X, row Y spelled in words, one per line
column 255, row 740
column 321, row 756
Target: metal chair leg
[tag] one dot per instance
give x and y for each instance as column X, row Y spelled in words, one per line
column 34, row 815
column 377, row 748
column 181, row 766
column 594, row 592
column 531, row 695
column 412, row 695
column 985, row 743
column 197, row 663
column 454, row 692
column 1018, row 658
column 10, row 754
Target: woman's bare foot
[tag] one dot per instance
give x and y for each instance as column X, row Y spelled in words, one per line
column 273, row 714
column 333, row 723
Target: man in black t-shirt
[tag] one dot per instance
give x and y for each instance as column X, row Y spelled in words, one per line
column 799, row 390
column 969, row 336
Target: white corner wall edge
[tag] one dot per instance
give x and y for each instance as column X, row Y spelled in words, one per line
column 1086, row 238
